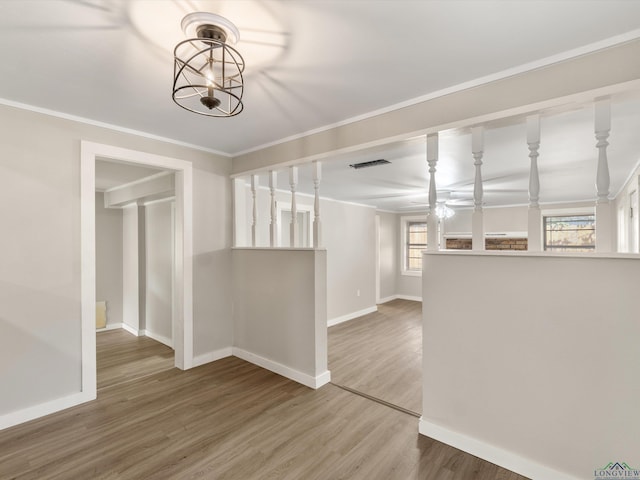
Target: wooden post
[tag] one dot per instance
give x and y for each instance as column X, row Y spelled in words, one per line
column 255, row 182
column 603, row 208
column 317, row 226
column 273, row 226
column 535, row 215
column 432, row 219
column 293, row 233
column 477, row 218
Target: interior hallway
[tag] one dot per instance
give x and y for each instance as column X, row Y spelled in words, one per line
column 380, row 354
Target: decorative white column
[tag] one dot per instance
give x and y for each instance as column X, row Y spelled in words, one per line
column 293, row 233
column 255, row 182
column 273, row 226
column 535, row 215
column 317, row 226
column 240, row 220
column 603, row 207
column 432, row 219
column 477, row 218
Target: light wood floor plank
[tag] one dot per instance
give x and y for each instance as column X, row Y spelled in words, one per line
column 235, row 421
column 380, row 354
column 122, row 356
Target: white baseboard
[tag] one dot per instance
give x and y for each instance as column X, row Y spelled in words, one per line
column 31, row 413
column 409, row 297
column 387, row 299
column 131, row 330
column 351, row 316
column 400, row 297
column 109, row 326
column 322, row 379
column 158, row 338
column 504, row 458
column 290, row 373
column 212, row 356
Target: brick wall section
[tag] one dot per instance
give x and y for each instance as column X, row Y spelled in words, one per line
column 489, row 244
column 458, row 244
column 506, row 244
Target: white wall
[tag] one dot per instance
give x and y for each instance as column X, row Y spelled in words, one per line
column 142, row 268
column 348, row 232
column 460, row 222
column 134, row 266
column 627, row 216
column 349, row 237
column 130, row 274
column 159, row 271
column 40, row 266
column 537, row 369
column 280, row 311
column 498, row 219
column 409, row 286
column 263, row 197
column 388, row 254
column 212, row 223
column 506, row 219
column 109, row 259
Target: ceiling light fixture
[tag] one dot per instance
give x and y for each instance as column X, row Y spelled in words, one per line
column 443, row 211
column 207, row 71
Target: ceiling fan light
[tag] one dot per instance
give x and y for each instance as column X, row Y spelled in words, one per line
column 443, row 211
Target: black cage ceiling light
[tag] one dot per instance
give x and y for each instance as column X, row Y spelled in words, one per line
column 207, row 71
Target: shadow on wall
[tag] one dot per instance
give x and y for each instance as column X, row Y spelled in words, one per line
column 212, row 313
column 40, row 354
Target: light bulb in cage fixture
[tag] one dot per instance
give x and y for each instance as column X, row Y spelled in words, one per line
column 207, row 70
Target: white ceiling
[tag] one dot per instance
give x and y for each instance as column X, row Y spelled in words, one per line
column 314, row 63
column 567, row 164
column 110, row 174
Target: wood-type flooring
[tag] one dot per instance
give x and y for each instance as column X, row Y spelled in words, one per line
column 229, row 420
column 380, row 354
column 123, row 357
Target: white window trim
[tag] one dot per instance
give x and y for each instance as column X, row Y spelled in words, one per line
column 403, row 242
column 567, row 212
column 564, row 212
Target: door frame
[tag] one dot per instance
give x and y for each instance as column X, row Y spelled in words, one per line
column 633, row 236
column 377, row 260
column 183, row 325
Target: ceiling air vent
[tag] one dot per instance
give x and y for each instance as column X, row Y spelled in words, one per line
column 372, row 163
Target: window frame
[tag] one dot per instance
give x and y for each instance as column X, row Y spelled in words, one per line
column 567, row 213
column 405, row 221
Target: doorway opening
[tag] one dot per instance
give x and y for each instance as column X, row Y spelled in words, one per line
column 304, row 224
column 135, row 270
column 181, row 330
